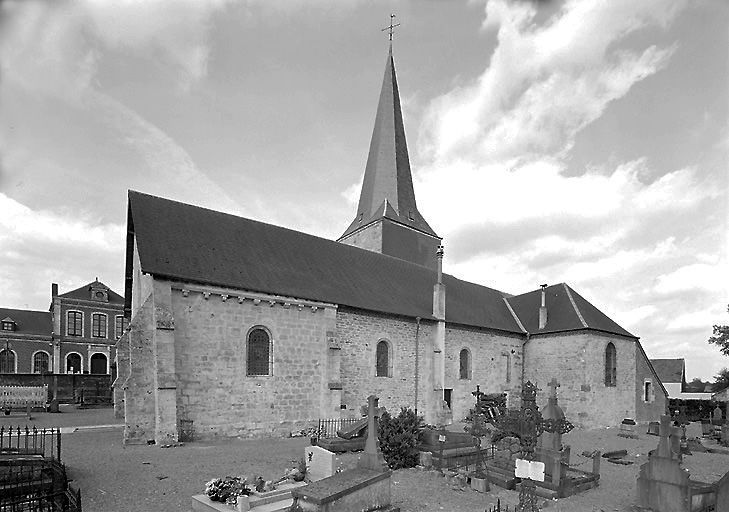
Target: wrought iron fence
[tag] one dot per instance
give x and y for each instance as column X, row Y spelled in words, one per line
column 499, row 508
column 26, row 441
column 37, row 487
column 327, row 428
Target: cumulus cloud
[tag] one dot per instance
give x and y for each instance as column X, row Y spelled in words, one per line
column 543, row 83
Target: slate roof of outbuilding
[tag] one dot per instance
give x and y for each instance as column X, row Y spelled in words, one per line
column 567, row 310
column 28, row 321
column 187, row 243
column 82, row 293
column 669, row 370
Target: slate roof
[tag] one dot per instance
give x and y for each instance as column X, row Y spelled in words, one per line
column 669, row 370
column 387, row 187
column 567, row 310
column 82, row 293
column 187, row 243
column 28, row 322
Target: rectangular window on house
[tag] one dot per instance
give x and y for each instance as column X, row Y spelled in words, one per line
column 118, row 326
column 74, row 323
column 647, row 391
column 98, row 325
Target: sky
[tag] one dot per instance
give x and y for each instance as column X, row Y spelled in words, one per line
column 583, row 142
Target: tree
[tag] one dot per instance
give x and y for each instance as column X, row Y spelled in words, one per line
column 721, row 380
column 721, row 337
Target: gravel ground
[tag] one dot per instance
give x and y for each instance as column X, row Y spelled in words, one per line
column 141, row 478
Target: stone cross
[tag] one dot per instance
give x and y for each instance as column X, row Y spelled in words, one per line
column 372, row 457
column 553, row 384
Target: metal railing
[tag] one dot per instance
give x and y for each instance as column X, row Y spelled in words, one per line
column 37, row 488
column 26, row 441
column 327, row 428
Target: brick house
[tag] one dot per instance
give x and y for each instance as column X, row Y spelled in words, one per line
column 251, row 329
column 77, row 335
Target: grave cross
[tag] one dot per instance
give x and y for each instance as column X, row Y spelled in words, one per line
column 528, row 424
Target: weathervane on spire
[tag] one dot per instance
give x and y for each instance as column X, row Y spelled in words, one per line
column 392, row 18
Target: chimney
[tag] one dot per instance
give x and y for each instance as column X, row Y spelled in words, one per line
column 439, row 287
column 54, row 290
column 543, row 308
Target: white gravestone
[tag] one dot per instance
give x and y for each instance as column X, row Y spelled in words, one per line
column 320, row 463
column 534, row 470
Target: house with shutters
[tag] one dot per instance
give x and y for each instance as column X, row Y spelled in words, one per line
column 250, row 329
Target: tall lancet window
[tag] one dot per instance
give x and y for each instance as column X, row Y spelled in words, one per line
column 382, row 368
column 611, row 366
column 465, row 364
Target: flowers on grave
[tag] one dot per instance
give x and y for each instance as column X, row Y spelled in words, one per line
column 227, row 490
column 309, row 432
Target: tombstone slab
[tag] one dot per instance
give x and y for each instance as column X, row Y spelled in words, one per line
column 320, row 463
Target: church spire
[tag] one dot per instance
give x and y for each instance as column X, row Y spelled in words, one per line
column 387, row 190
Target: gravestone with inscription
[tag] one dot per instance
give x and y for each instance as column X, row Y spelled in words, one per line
column 321, row 463
column 362, row 489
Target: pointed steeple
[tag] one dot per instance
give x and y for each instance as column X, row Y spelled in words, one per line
column 387, row 188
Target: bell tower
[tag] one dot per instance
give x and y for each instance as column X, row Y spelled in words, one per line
column 387, row 219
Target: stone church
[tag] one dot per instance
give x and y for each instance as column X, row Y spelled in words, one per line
column 250, row 329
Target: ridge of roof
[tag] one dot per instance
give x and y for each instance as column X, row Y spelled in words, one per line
column 220, row 249
column 567, row 310
column 81, row 293
column 387, row 187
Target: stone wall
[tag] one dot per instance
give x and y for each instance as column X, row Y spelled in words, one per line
column 490, row 353
column 358, row 332
column 139, row 391
column 577, row 360
column 369, row 238
column 213, row 388
column 656, row 406
column 123, row 369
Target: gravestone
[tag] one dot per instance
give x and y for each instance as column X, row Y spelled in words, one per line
column 362, row 489
column 693, row 430
column 321, row 463
column 717, row 416
column 549, row 446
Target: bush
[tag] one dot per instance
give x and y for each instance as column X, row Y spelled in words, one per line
column 399, row 438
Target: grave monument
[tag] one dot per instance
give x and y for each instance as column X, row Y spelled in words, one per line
column 362, row 489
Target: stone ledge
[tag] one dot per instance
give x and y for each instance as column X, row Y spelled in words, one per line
column 339, row 485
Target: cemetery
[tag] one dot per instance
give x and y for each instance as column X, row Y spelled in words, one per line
column 450, row 471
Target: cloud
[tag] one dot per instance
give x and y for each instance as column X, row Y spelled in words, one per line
column 41, row 246
column 543, row 84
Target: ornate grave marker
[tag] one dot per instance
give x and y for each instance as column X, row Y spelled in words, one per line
column 528, row 425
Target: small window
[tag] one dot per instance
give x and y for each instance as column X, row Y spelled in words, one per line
column 7, row 361
column 98, row 325
column 259, row 352
column 40, row 362
column 74, row 323
column 507, row 363
column 382, row 363
column 465, row 364
column 119, row 326
column 611, row 367
column 73, row 363
column 8, row 326
column 98, row 364
column 647, row 391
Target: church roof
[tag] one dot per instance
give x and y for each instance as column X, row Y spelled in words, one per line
column 28, row 322
column 82, row 293
column 567, row 310
column 387, row 188
column 669, row 370
column 186, row 243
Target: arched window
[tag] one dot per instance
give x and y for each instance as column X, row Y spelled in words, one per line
column 382, row 359
column 611, row 365
column 7, row 361
column 465, row 364
column 40, row 362
column 98, row 364
column 73, row 363
column 259, row 352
